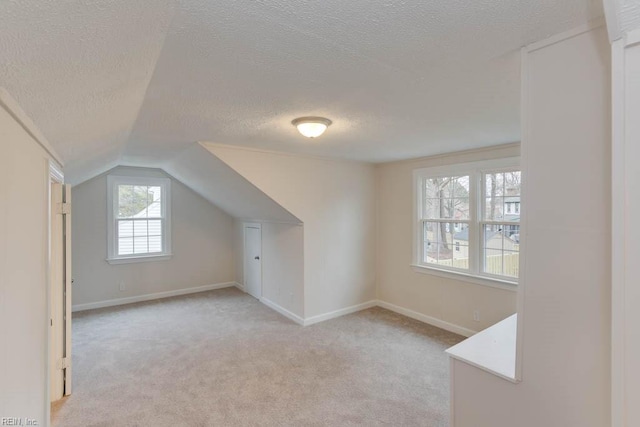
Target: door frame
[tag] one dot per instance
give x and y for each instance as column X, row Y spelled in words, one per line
column 245, row 268
column 55, row 291
column 59, row 287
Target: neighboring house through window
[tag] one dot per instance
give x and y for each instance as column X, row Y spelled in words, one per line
column 139, row 218
column 468, row 219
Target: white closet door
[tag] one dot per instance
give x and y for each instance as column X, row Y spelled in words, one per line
column 253, row 259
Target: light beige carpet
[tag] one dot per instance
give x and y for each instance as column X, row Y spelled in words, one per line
column 221, row 358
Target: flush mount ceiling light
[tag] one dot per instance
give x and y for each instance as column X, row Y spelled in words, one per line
column 311, row 127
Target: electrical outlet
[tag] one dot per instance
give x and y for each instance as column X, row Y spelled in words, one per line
column 122, row 286
column 476, row 315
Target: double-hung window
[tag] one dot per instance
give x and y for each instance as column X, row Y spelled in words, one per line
column 468, row 219
column 139, row 218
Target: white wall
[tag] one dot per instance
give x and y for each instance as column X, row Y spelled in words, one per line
column 202, row 245
column 336, row 202
column 632, row 230
column 566, row 309
column 447, row 300
column 222, row 186
column 24, row 271
column 626, row 231
column 282, row 263
column 623, row 25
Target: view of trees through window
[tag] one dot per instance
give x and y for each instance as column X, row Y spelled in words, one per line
column 501, row 223
column 447, row 227
column 447, row 206
column 132, row 199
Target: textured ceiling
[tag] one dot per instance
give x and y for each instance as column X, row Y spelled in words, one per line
column 80, row 70
column 132, row 82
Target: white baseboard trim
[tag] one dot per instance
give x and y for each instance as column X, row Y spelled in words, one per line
column 299, row 320
column 286, row 313
column 343, row 311
column 149, row 297
column 427, row 319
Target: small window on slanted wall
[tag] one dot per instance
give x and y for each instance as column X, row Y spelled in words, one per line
column 139, row 219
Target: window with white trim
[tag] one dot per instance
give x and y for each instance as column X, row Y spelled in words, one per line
column 139, row 218
column 468, row 219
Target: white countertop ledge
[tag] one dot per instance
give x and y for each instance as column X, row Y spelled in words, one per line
column 492, row 350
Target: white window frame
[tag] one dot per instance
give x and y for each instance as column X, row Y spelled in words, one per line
column 113, row 181
column 476, row 223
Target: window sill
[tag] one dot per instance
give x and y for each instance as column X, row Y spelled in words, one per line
column 478, row 280
column 131, row 260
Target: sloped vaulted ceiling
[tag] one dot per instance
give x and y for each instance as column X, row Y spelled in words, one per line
column 80, row 69
column 137, row 82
